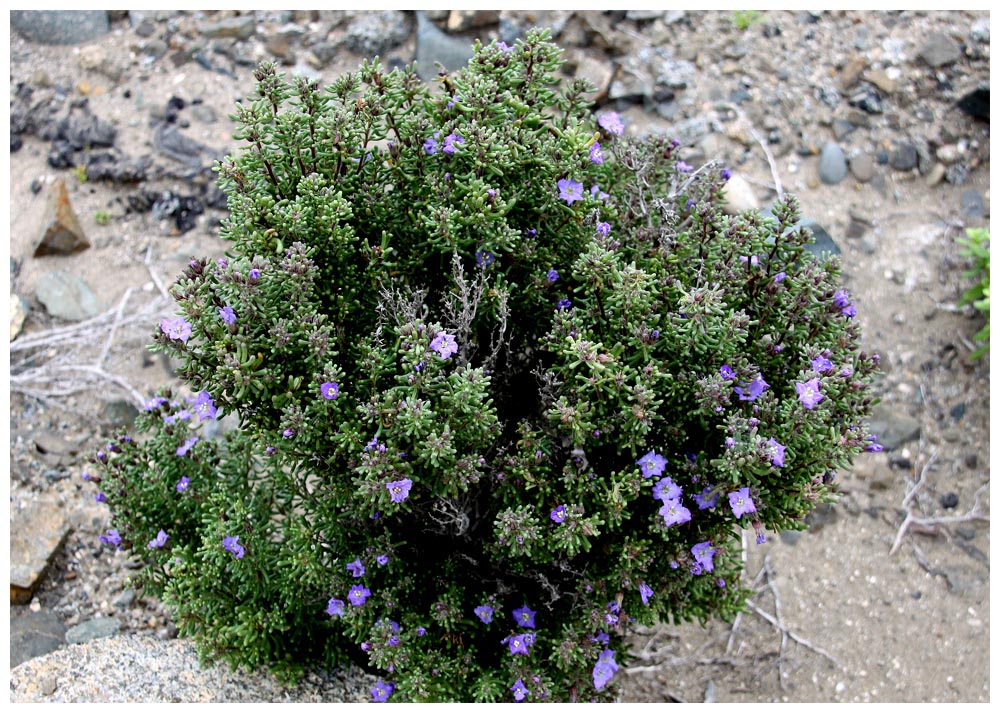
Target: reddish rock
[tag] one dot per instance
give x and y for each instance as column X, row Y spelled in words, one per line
column 62, row 234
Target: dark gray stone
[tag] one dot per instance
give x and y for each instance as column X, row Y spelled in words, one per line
column 823, row 243
column 67, row 296
column 973, row 205
column 375, row 33
column 34, row 634
column 435, row 46
column 904, row 157
column 891, row 428
column 832, row 164
column 242, row 27
column 862, row 167
column 93, row 629
column 939, row 51
column 60, row 27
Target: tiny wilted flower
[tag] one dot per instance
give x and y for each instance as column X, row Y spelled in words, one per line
column 159, row 541
column 356, row 568
column 227, row 315
column 188, row 445
column 111, row 537
column 611, row 122
column 232, row 545
column 604, row 669
column 335, row 607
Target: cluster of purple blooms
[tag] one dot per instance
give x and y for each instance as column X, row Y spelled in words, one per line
column 451, row 143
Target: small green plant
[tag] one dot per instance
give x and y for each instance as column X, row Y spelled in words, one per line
column 508, row 383
column 744, row 19
column 976, row 245
column 102, row 217
column 80, row 172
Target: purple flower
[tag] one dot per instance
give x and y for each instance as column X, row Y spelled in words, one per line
column 335, row 607
column 703, row 553
column 674, row 513
column 570, row 190
column 444, row 344
column 183, row 484
column 450, row 142
column 431, row 144
column 726, row 372
column 820, row 364
column 421, row 631
column 111, row 537
column 779, row 277
column 611, row 122
column 520, row 691
column 842, row 301
column 358, row 594
column 254, row 275
column 596, row 155
column 564, row 304
column 233, row 546
column 503, row 46
column 741, row 502
column 809, row 393
column 652, row 464
column 330, row 390
column 874, row 447
column 382, row 560
column 484, row 612
column 381, row 691
column 159, row 541
column 178, row 328
column 519, row 644
column 645, row 591
column 751, row 391
column 227, row 314
column 604, row 669
column 706, row 498
column 726, row 174
column 154, row 403
column 666, row 489
column 356, row 568
column 552, row 275
column 288, row 433
column 604, row 229
column 684, row 167
column 485, row 258
column 188, row 445
column 525, row 617
column 100, row 498
column 776, row 452
column 559, row 514
column 597, row 193
column 204, row 406
column 399, row 489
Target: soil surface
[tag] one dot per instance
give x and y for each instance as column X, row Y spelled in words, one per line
column 856, row 608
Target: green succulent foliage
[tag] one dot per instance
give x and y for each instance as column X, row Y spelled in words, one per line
column 976, row 246
column 451, row 338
